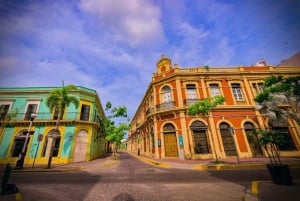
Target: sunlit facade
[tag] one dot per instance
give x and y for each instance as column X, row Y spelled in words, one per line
column 161, row 127
column 80, row 135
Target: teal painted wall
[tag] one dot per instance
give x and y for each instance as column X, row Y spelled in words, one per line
column 8, row 134
column 20, row 104
column 68, row 142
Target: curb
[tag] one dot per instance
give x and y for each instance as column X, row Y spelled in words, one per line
column 70, row 169
column 229, row 167
column 151, row 162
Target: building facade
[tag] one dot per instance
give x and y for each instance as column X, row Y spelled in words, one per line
column 161, row 127
column 80, row 135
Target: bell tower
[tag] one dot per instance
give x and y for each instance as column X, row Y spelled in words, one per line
column 163, row 65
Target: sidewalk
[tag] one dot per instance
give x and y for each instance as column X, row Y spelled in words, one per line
column 210, row 164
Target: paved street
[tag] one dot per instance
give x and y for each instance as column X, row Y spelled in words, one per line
column 133, row 180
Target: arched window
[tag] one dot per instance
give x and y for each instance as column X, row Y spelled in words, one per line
column 227, row 139
column 19, row 143
column 201, row 142
column 52, row 135
column 252, row 139
column 166, row 94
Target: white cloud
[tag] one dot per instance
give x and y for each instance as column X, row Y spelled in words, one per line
column 133, row 22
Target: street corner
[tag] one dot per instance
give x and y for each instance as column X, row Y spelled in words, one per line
column 156, row 163
column 109, row 163
column 151, row 162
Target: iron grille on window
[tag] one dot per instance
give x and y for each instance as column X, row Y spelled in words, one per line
column 85, row 112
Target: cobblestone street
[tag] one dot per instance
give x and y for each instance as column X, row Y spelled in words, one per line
column 129, row 179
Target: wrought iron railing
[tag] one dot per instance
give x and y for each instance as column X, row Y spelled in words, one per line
column 44, row 116
column 165, row 106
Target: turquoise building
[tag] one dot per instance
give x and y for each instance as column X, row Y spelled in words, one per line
column 80, row 135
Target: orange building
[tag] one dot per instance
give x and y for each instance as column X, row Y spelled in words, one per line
column 161, row 127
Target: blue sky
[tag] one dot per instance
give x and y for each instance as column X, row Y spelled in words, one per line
column 112, row 46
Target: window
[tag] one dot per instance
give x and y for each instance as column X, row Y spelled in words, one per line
column 237, row 92
column 191, row 92
column 85, row 112
column 166, row 94
column 31, row 108
column 214, row 90
column 167, row 102
column 258, row 87
column 4, row 110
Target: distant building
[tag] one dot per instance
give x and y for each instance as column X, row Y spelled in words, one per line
column 81, row 134
column 161, row 127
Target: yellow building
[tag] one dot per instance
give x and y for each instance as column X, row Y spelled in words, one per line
column 80, row 135
column 161, row 127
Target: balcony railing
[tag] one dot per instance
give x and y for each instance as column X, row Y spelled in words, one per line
column 43, row 116
column 165, row 106
column 190, row 101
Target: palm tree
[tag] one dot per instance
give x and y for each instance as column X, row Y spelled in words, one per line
column 58, row 100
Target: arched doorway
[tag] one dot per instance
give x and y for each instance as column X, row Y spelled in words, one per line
column 252, row 140
column 80, row 146
column 170, row 141
column 201, row 142
column 227, row 139
column 53, row 134
column 19, row 142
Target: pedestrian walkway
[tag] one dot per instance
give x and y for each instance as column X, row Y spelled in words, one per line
column 209, row 164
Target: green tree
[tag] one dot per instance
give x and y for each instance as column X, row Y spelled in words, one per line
column 58, row 100
column 278, row 93
column 114, row 134
column 5, row 118
column 204, row 107
column 278, row 102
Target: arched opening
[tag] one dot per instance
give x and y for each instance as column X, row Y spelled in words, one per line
column 227, row 139
column 48, row 142
column 252, row 140
column 200, row 138
column 170, row 141
column 19, row 143
column 80, row 146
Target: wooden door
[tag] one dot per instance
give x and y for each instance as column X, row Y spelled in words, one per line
column 80, row 146
column 170, row 144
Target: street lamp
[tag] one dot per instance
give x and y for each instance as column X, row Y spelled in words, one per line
column 20, row 161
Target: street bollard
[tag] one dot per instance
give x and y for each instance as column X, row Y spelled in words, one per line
column 7, row 188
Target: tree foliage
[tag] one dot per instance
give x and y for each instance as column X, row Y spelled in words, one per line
column 279, row 91
column 278, row 102
column 60, row 99
column 115, row 133
column 204, row 106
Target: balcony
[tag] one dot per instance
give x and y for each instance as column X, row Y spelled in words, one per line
column 165, row 106
column 49, row 118
column 190, row 101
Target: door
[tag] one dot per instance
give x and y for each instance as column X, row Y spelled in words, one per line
column 170, row 143
column 80, row 146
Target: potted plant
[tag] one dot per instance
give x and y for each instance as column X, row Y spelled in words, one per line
column 270, row 141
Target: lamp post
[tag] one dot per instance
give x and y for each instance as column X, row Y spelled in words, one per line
column 20, row 161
